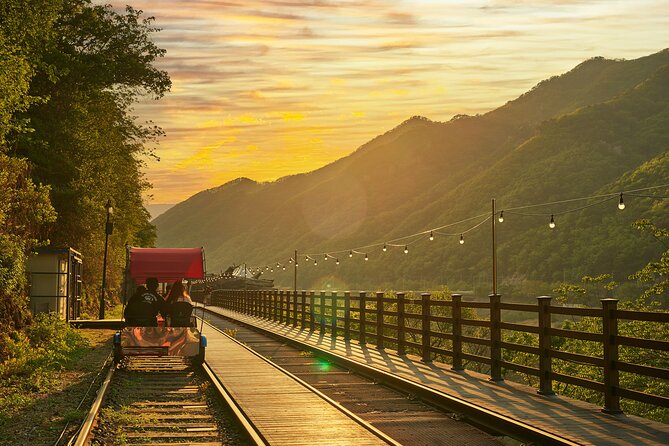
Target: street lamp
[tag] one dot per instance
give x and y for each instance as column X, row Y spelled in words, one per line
column 109, row 228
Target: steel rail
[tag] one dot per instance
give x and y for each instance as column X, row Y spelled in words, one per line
column 475, row 414
column 367, row 426
column 87, row 426
column 248, row 426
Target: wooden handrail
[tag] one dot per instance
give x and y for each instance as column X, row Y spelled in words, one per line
column 429, row 327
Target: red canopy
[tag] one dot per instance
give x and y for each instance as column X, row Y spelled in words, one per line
column 166, row 264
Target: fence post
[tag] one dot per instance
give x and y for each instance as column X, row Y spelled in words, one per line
column 312, row 299
column 456, row 312
column 401, row 334
column 545, row 362
column 425, row 304
column 265, row 304
column 294, row 309
column 287, row 307
column 379, row 320
column 363, row 310
column 333, row 321
column 321, row 310
column 281, row 293
column 347, row 315
column 611, row 374
column 495, row 338
column 303, row 313
column 275, row 304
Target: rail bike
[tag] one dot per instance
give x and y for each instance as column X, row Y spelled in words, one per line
column 167, row 265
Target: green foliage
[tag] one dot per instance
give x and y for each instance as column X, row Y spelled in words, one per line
column 70, row 72
column 655, row 274
column 21, row 228
column 32, row 358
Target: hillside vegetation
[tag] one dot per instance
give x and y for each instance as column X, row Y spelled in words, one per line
column 600, row 128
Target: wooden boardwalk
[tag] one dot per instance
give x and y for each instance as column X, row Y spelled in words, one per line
column 283, row 410
column 573, row 420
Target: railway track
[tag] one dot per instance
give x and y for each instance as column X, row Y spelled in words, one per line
column 399, row 415
column 160, row 401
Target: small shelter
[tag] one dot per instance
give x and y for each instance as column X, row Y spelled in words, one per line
column 55, row 282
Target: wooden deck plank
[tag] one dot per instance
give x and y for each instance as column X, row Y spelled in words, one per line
column 283, row 410
column 576, row 420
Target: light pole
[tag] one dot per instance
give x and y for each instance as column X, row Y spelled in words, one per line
column 109, row 228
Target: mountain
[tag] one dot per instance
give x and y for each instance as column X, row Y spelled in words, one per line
column 589, row 131
column 156, row 209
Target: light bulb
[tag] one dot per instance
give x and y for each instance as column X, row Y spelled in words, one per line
column 291, row 260
column 296, row 265
column 462, row 239
column 284, row 268
column 271, row 270
column 307, row 259
column 366, row 258
column 621, row 203
column 501, row 217
column 384, row 248
column 350, row 253
column 431, row 236
column 326, row 256
column 552, row 223
column 406, row 249
column 337, row 261
column 315, row 262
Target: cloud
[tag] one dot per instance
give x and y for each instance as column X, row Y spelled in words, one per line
column 295, row 79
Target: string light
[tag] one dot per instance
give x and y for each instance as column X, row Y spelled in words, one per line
column 284, row 268
column 315, row 262
column 462, row 239
column 500, row 218
column 337, row 261
column 406, row 249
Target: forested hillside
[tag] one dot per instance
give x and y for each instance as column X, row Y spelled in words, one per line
column 70, row 72
column 600, row 128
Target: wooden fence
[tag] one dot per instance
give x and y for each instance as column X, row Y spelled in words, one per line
column 436, row 328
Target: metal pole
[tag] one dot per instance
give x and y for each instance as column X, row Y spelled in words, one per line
column 494, row 250
column 104, row 270
column 295, row 274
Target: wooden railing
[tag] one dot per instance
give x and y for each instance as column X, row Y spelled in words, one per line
column 436, row 328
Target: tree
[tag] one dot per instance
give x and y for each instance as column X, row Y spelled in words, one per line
column 84, row 141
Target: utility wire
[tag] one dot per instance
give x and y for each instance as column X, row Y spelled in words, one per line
column 510, row 210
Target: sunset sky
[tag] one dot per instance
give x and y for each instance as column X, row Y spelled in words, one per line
column 267, row 88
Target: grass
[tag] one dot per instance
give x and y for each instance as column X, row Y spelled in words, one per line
column 47, row 370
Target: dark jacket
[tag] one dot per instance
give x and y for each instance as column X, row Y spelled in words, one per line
column 142, row 309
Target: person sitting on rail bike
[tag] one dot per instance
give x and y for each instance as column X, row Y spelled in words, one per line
column 179, row 306
column 143, row 307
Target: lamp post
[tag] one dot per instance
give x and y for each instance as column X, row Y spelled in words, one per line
column 109, row 228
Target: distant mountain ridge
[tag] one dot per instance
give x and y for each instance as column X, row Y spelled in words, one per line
column 586, row 131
